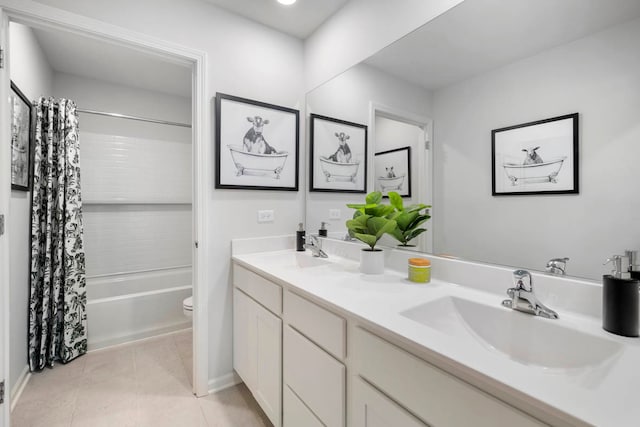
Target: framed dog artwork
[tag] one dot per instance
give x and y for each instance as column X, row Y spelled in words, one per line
column 393, row 171
column 338, row 155
column 538, row 157
column 256, row 145
column 21, row 139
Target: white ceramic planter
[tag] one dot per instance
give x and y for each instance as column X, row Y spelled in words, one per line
column 372, row 262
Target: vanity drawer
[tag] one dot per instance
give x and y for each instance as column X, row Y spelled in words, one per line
column 257, row 287
column 315, row 377
column 435, row 396
column 319, row 325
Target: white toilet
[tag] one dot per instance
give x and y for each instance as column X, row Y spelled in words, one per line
column 187, row 307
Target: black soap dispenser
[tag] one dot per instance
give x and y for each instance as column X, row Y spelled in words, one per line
column 620, row 299
column 634, row 264
column 300, row 238
column 322, row 232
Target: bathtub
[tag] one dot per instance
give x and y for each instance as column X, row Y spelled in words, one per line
column 394, row 183
column 336, row 171
column 538, row 172
column 257, row 164
column 129, row 306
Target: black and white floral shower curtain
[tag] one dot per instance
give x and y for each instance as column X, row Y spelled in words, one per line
column 57, row 316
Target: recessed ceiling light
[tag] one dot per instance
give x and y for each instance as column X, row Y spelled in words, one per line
column 286, row 2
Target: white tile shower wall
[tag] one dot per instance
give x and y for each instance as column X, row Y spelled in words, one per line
column 138, row 227
column 130, row 238
column 135, row 169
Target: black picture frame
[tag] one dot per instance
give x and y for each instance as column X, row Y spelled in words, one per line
column 250, row 156
column 331, row 169
column 21, row 140
column 535, row 158
column 396, row 175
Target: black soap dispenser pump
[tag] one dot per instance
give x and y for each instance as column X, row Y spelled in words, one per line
column 620, row 299
column 322, row 232
column 300, row 238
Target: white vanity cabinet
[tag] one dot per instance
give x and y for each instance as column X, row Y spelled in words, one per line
column 314, row 371
column 308, row 366
column 257, row 339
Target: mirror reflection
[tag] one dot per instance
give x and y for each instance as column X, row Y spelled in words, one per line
column 487, row 65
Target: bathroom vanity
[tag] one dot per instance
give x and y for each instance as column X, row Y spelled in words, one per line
column 318, row 343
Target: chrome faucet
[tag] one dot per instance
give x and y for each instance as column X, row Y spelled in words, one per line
column 523, row 299
column 315, row 246
column 557, row 266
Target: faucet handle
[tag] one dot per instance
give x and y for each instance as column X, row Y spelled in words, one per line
column 553, row 262
column 522, row 280
column 557, row 266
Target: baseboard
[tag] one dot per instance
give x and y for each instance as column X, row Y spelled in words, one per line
column 19, row 386
column 225, row 381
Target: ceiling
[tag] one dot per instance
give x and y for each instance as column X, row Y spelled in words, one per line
column 100, row 60
column 300, row 19
column 480, row 35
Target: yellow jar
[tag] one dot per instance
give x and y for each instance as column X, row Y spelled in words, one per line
column 419, row 270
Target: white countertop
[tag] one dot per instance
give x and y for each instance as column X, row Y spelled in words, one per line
column 604, row 394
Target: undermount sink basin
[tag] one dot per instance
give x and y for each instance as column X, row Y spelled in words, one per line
column 305, row 259
column 524, row 338
column 291, row 259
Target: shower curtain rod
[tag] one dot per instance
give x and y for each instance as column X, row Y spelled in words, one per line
column 124, row 116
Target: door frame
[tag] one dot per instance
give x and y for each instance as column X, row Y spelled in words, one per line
column 47, row 17
column 425, row 172
column 5, row 197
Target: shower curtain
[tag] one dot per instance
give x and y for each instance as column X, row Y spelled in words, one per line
column 57, row 316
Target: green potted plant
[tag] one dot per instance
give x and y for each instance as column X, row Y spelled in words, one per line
column 408, row 219
column 369, row 223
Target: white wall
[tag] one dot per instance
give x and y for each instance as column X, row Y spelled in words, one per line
column 348, row 97
column 32, row 74
column 360, row 29
column 598, row 77
column 244, row 59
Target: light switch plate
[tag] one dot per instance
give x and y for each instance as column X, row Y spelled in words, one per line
column 334, row 214
column 266, row 216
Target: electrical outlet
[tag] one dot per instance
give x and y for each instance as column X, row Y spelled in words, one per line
column 266, row 216
column 334, row 214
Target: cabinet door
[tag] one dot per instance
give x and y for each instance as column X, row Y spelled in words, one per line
column 371, row 408
column 317, row 378
column 268, row 390
column 244, row 341
column 257, row 353
column 295, row 413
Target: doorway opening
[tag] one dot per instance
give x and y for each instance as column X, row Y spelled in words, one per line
column 402, row 160
column 144, row 243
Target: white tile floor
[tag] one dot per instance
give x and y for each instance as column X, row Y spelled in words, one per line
column 147, row 383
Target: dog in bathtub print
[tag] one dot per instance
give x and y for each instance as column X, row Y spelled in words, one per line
column 256, row 156
column 340, row 165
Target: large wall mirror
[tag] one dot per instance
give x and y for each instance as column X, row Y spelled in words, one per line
column 486, row 65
